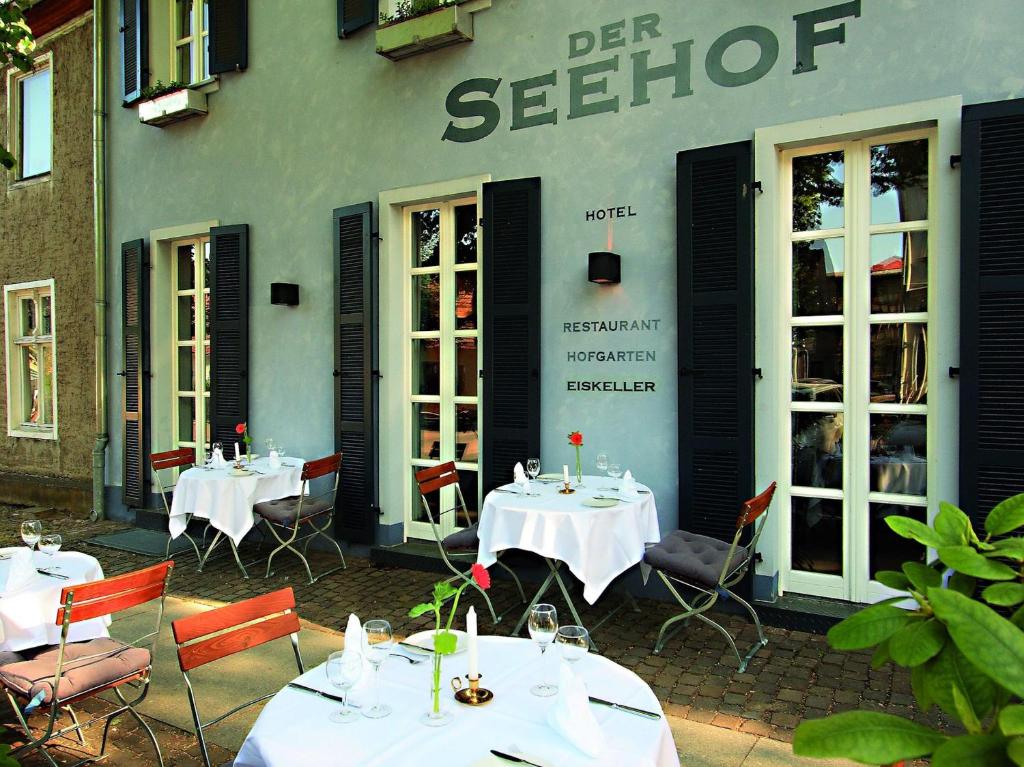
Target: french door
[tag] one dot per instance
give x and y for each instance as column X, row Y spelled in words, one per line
column 443, row 353
column 858, row 303
column 190, row 318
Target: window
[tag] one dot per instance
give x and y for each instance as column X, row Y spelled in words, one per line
column 191, row 364
column 31, row 360
column 191, row 40
column 32, row 120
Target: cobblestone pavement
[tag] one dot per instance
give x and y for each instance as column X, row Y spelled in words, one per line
column 796, row 676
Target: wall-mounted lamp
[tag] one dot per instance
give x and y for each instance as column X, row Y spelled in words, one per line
column 284, row 293
column 605, row 268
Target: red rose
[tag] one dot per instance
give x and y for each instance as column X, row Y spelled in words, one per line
column 481, row 576
column 576, row 439
column 240, row 429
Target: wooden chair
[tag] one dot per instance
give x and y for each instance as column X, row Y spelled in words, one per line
column 53, row 678
column 174, row 459
column 710, row 567
column 462, row 545
column 225, row 631
column 288, row 515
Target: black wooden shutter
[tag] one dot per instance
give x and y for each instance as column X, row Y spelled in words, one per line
column 511, row 327
column 135, row 399
column 991, row 306
column 356, row 371
column 716, row 337
column 229, row 35
column 229, row 333
column 134, row 49
column 354, row 15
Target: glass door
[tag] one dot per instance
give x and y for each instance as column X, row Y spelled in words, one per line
column 858, row 361
column 443, row 350
column 190, row 318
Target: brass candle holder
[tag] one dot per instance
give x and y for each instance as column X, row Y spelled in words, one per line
column 474, row 695
column 566, row 490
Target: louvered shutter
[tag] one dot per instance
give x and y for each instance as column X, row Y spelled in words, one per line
column 991, row 306
column 229, row 35
column 355, row 371
column 135, row 396
column 134, row 49
column 511, row 327
column 354, row 15
column 716, row 337
column 229, row 333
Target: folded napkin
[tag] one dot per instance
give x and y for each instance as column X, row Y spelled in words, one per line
column 571, row 716
column 275, row 460
column 520, row 478
column 217, row 459
column 355, row 638
column 18, row 571
column 627, row 487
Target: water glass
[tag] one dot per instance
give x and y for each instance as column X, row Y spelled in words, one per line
column 50, row 543
column 533, row 467
column 574, row 642
column 543, row 625
column 379, row 642
column 31, row 531
column 343, row 671
column 615, row 472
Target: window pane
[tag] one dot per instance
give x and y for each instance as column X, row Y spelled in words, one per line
column 186, row 267
column 206, row 264
column 426, row 297
column 817, row 359
column 426, row 430
column 899, row 454
column 468, row 485
column 186, row 375
column 206, row 368
column 36, row 124
column 426, row 366
column 186, row 318
column 183, row 16
column 818, row 192
column 30, row 403
column 46, row 406
column 467, row 442
column 889, row 551
column 818, row 267
column 818, row 535
column 818, row 450
column 899, row 182
column 433, row 501
column 187, row 419
column 465, row 234
column 184, row 63
column 28, row 316
column 899, row 362
column 899, row 272
column 466, row 371
column 46, row 322
column 426, row 238
column 465, row 300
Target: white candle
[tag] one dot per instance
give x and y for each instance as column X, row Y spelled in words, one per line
column 565, row 472
column 474, row 655
column 238, row 453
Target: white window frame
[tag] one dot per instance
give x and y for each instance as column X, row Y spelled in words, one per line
column 197, row 40
column 17, row 426
column 199, row 393
column 773, row 327
column 14, row 80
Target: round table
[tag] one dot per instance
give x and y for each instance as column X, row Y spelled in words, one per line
column 28, row 614
column 294, row 727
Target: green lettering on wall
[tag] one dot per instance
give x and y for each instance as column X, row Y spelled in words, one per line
column 580, row 88
column 487, row 110
column 647, row 24
column 521, row 102
column 611, row 35
column 808, row 38
column 766, row 41
column 679, row 70
column 581, row 43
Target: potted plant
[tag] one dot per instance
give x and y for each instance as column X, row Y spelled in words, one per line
column 164, row 104
column 418, row 26
column 963, row 644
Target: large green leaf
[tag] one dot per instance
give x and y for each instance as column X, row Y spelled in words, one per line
column 893, row 579
column 1011, row 720
column 965, row 711
column 966, row 560
column 1006, row 516
column 1004, row 594
column 953, row 525
column 986, row 639
column 865, row 736
column 919, row 684
column 420, row 609
column 1010, row 548
column 950, row 668
column 1017, row 619
column 1015, row 750
column 918, row 531
column 443, row 590
column 917, row 642
column 973, row 750
column 965, row 584
column 868, row 627
column 922, row 576
column 445, row 643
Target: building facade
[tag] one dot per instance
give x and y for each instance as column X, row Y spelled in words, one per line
column 46, row 265
column 810, row 202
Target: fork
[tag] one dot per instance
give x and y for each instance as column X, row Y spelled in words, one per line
column 413, row 661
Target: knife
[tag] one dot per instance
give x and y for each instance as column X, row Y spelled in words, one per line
column 511, row 758
column 418, row 648
column 321, row 693
column 627, row 709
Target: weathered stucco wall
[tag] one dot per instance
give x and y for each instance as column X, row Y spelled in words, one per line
column 46, row 232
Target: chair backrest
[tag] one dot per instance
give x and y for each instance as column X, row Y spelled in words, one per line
column 756, row 506
column 183, row 456
column 433, row 478
column 96, row 599
column 321, row 467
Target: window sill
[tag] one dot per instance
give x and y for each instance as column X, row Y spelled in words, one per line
column 24, row 183
column 49, row 434
column 441, row 28
column 173, row 107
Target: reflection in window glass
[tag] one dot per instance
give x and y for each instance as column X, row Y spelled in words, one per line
column 467, row 437
column 426, row 366
column 433, row 502
column 465, row 300
column 899, row 182
column 899, row 454
column 818, row 192
column 466, row 371
column 899, row 362
column 817, row 360
column 465, row 234
column 426, row 238
column 426, row 302
column 888, row 551
column 186, row 267
column 817, row 530
column 46, row 322
column 468, row 484
column 186, row 375
column 818, row 450
column 818, row 267
column 899, row 272
column 36, row 112
column 426, row 430
column 186, row 318
column 28, row 316
column 186, row 419
column 31, row 404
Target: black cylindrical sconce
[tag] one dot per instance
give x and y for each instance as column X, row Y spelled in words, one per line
column 605, row 268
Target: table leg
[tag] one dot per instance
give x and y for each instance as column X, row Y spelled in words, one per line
column 533, row 602
column 568, row 600
column 553, row 565
column 234, row 550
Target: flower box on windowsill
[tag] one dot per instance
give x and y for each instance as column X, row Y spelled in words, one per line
column 449, row 25
column 172, row 107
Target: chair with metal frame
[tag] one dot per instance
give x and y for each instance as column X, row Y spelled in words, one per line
column 174, row 459
column 224, row 631
column 289, row 514
column 710, row 567
column 461, row 545
column 55, row 677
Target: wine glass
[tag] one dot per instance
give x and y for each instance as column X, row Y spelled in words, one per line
column 379, row 641
column 602, row 466
column 615, row 472
column 214, row 449
column 574, row 642
column 31, row 530
column 533, row 467
column 50, row 543
column 343, row 670
column 543, row 626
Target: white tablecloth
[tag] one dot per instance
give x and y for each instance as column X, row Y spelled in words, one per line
column 294, row 729
column 904, row 475
column 596, row 544
column 28, row 615
column 227, row 501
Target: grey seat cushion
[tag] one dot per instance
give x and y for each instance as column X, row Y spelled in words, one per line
column 87, row 665
column 694, row 558
column 463, row 540
column 283, row 510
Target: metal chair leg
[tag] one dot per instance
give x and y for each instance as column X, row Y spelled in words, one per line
column 519, row 585
column 78, row 726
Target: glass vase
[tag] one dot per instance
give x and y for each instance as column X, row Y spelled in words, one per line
column 437, row 715
column 579, row 469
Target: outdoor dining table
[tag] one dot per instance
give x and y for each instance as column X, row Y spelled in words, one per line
column 294, row 727
column 226, row 501
column 596, row 544
column 28, row 614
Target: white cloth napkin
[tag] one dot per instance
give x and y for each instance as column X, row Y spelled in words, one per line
column 520, row 478
column 217, row 459
column 355, row 638
column 571, row 716
column 627, row 487
column 275, row 460
column 19, row 572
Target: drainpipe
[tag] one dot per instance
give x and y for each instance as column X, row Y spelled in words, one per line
column 99, row 191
